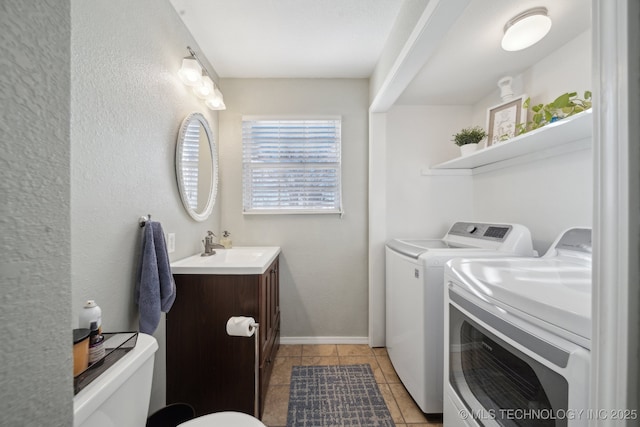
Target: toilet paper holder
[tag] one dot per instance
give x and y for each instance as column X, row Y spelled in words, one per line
column 241, row 326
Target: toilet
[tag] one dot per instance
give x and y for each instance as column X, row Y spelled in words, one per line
column 224, row 419
column 120, row 396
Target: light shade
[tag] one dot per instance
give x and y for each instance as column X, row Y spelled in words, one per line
column 191, row 72
column 216, row 101
column 205, row 88
column 526, row 29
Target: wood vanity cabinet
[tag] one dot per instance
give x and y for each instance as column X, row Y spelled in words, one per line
column 207, row 368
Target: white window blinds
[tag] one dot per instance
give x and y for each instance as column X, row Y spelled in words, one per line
column 190, row 162
column 291, row 166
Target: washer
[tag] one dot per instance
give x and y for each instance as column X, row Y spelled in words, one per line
column 415, row 298
column 518, row 337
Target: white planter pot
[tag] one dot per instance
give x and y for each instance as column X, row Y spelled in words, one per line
column 467, row 149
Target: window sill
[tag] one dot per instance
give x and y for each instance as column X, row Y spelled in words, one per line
column 292, row 212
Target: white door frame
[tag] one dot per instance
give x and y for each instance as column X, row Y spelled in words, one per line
column 616, row 258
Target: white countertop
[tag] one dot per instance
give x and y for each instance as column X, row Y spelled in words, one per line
column 237, row 260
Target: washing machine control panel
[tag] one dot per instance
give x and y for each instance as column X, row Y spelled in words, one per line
column 493, row 232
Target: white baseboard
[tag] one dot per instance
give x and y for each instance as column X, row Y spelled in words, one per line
column 324, row 340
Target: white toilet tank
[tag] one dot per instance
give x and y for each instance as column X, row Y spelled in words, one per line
column 120, row 396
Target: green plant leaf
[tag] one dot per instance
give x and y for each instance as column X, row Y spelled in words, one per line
column 561, row 101
column 587, row 95
column 548, row 116
column 537, row 118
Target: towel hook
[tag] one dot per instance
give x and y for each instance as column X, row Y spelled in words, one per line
column 144, row 219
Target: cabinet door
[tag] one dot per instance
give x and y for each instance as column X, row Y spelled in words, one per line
column 270, row 326
column 274, row 303
column 265, row 298
column 207, row 368
column 269, row 309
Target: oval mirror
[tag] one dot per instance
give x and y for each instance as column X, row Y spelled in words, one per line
column 197, row 166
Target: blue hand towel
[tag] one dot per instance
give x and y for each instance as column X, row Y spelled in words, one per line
column 155, row 288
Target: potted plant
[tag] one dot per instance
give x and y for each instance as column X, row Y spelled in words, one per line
column 563, row 106
column 468, row 138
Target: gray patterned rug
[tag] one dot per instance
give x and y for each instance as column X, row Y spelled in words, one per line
column 324, row 396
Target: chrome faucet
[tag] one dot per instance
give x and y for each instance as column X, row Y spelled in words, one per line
column 210, row 245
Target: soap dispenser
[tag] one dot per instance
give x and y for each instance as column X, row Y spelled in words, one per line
column 226, row 240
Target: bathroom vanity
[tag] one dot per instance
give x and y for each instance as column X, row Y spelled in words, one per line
column 207, row 368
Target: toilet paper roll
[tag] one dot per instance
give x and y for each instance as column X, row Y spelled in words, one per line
column 241, row 326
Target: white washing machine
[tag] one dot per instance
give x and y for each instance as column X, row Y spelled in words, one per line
column 518, row 338
column 415, row 298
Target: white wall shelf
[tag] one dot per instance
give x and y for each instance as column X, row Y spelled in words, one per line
column 564, row 136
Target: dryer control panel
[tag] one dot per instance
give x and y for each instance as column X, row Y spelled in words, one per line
column 493, row 232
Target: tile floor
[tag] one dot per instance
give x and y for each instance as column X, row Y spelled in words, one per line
column 403, row 409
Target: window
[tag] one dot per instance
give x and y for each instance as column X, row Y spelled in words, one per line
column 291, row 166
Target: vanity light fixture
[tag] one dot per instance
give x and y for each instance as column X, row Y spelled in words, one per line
column 194, row 74
column 526, row 29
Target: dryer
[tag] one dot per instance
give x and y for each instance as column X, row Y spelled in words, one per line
column 518, row 338
column 414, row 291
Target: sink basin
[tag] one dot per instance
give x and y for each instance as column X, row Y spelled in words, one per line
column 240, row 260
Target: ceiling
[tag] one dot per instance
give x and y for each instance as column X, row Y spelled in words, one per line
column 469, row 62
column 290, row 38
column 345, row 38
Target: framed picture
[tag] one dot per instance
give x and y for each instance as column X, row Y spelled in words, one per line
column 502, row 120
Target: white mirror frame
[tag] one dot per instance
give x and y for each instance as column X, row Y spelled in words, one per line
column 214, row 166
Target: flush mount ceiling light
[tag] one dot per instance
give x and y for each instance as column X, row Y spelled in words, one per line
column 526, row 29
column 194, row 74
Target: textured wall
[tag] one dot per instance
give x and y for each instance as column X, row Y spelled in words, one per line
column 35, row 338
column 127, row 105
column 323, row 267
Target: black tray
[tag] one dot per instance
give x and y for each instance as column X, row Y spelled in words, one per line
column 116, row 345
